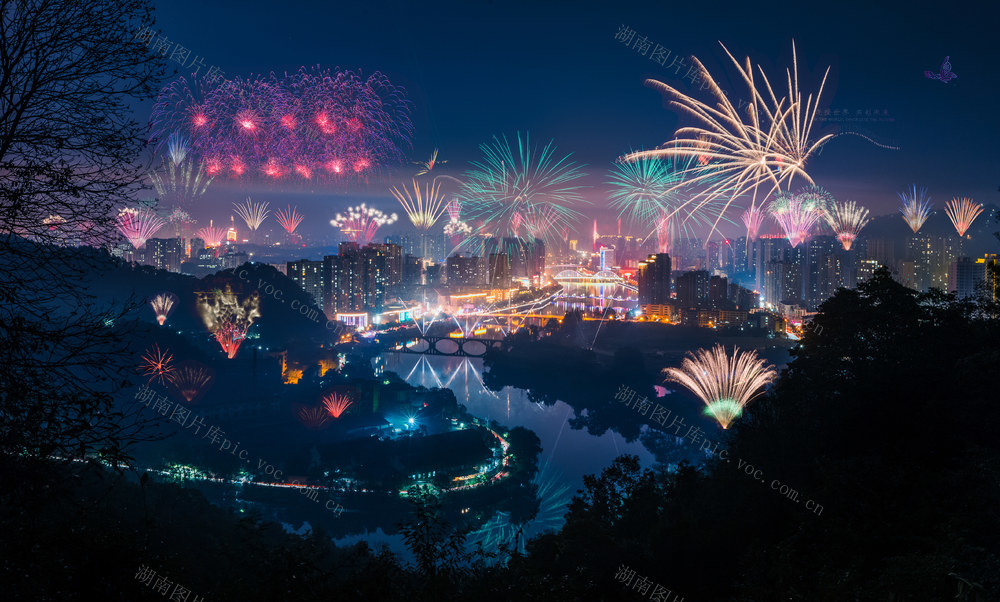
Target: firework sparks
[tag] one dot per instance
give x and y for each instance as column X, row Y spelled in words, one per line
column 646, row 191
column 157, row 365
column 362, row 222
column 336, row 404
column 428, row 165
column 457, row 230
column 180, row 180
column 306, row 123
column 503, row 187
column 190, row 380
column 138, row 225
column 797, row 213
column 289, row 220
column 962, row 212
column 770, row 148
column 163, row 306
column 252, row 213
column 846, row 221
column 228, row 317
column 314, row 418
column 725, row 384
column 454, row 210
column 212, row 236
column 753, row 217
column 423, row 207
column 916, row 206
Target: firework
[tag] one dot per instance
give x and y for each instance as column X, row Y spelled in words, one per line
column 424, row 208
column 362, row 222
column 798, row 213
column 212, row 236
column 916, row 206
column 336, row 404
column 228, row 317
column 647, row 191
column 503, row 187
column 454, row 210
column 725, row 384
column 180, row 180
column 163, row 306
column 307, row 123
column 752, row 218
column 190, row 380
column 537, row 220
column 289, row 220
column 769, row 147
column 962, row 212
column 138, row 225
column 457, row 230
column 428, row 166
column 314, row 418
column 157, row 365
column 846, row 220
column 252, row 213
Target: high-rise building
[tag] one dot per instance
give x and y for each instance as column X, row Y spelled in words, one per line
column 963, row 276
column 653, row 277
column 867, row 267
column 466, row 271
column 718, row 292
column 498, row 268
column 309, row 275
column 823, row 273
column 394, row 264
column 163, row 253
column 693, row 289
column 357, row 278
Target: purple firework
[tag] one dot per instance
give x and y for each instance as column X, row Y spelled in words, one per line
column 305, row 124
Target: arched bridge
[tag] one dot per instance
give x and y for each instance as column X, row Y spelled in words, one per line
column 455, row 347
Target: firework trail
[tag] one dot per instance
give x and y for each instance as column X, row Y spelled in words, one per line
column 335, row 404
column 962, row 212
column 252, row 213
column 846, row 220
column 504, row 185
column 163, row 305
column 454, row 210
column 915, row 207
column 362, row 222
column 752, row 218
column 314, row 418
column 648, row 192
column 767, row 144
column 311, row 122
column 179, row 218
column 138, row 225
column 428, row 166
column 725, row 384
column 424, row 208
column 157, row 365
column 179, row 180
column 289, row 220
column 190, row 380
column 797, row 213
column 537, row 220
column 228, row 317
column 212, row 236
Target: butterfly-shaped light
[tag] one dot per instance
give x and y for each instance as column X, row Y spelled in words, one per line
column 945, row 75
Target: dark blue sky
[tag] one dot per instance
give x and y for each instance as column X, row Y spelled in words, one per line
column 475, row 69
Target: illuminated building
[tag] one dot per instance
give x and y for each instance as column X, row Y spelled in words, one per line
column 163, row 253
column 653, row 278
column 231, row 233
column 607, row 259
column 308, row 274
column 466, row 271
column 357, row 278
column 692, row 289
column 963, row 276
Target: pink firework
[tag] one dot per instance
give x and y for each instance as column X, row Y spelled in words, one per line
column 362, row 222
column 336, row 404
column 796, row 216
column 537, row 220
column 454, row 210
column 228, row 317
column 212, row 236
column 305, row 124
column 752, row 219
column 138, row 225
column 289, row 220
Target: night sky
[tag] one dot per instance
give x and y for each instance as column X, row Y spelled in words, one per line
column 477, row 69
